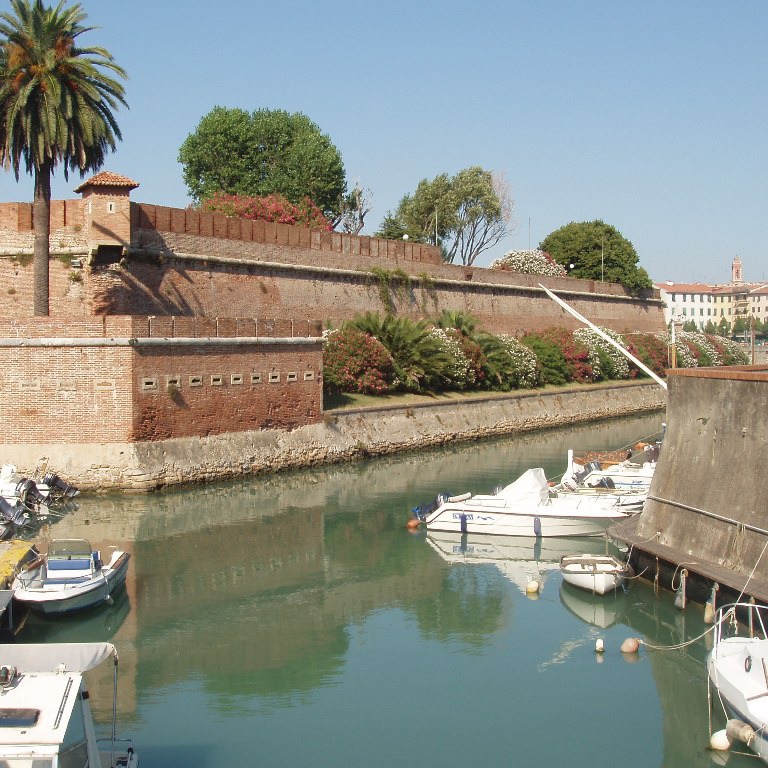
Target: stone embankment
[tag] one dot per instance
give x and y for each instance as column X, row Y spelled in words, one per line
column 344, row 435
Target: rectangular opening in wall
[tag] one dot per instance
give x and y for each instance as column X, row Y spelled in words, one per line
column 148, row 384
column 236, row 378
column 66, row 385
column 32, row 385
column 110, row 207
column 309, row 375
column 195, row 381
column 274, row 377
column 217, row 380
column 255, row 378
column 173, row 381
column 104, row 385
column 291, row 376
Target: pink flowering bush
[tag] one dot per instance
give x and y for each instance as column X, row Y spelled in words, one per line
column 354, row 361
column 273, row 207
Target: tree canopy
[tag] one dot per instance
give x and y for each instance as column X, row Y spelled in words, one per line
column 56, row 108
column 464, row 214
column 597, row 251
column 261, row 153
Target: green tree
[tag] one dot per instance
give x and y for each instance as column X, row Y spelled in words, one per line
column 464, row 215
column 597, row 251
column 260, row 153
column 723, row 327
column 56, row 108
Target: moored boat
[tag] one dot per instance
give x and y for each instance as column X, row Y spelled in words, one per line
column 737, row 668
column 70, row 577
column 45, row 715
column 595, row 573
column 527, row 508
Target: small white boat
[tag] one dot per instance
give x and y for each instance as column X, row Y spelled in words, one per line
column 45, row 715
column 71, row 577
column 737, row 667
column 595, row 573
column 527, row 508
column 612, row 476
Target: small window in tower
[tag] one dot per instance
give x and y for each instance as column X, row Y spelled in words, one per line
column 110, row 207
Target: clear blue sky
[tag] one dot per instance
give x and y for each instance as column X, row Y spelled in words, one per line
column 652, row 116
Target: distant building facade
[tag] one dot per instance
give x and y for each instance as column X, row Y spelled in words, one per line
column 702, row 303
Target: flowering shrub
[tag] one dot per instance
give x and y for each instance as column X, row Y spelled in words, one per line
column 525, row 366
column 553, row 367
column 353, row 361
column 683, row 352
column 458, row 372
column 530, row 263
column 649, row 349
column 577, row 354
column 607, row 362
column 729, row 351
column 273, row 207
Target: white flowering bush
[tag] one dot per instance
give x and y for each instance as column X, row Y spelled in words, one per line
column 532, row 262
column 606, row 361
column 458, row 370
column 731, row 351
column 683, row 353
column 524, row 362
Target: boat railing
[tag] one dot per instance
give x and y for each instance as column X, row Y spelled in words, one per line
column 742, row 620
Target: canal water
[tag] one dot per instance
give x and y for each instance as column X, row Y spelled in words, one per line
column 294, row 620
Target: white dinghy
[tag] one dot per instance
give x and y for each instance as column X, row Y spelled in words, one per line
column 595, row 573
column 45, row 715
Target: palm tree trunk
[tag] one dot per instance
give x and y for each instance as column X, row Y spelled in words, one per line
column 41, row 217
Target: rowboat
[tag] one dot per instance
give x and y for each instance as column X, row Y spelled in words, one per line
column 595, row 573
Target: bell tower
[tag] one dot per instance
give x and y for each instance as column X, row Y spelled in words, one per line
column 736, row 275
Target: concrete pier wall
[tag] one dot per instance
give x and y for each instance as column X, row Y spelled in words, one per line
column 342, row 436
column 706, row 510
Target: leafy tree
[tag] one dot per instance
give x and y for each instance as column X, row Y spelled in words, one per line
column 56, row 107
column 261, row 153
column 690, row 325
column 464, row 215
column 723, row 327
column 597, row 251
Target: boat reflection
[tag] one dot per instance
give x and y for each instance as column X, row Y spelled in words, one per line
column 602, row 611
column 97, row 624
column 521, row 559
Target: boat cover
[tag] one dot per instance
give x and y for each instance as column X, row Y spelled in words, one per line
column 531, row 485
column 46, row 657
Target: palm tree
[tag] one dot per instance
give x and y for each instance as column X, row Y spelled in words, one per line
column 56, row 103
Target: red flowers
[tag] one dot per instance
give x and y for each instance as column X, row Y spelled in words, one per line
column 273, row 207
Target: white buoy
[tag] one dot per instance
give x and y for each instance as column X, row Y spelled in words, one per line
column 719, row 740
column 533, row 587
column 599, row 645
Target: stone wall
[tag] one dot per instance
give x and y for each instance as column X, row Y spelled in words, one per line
column 340, row 436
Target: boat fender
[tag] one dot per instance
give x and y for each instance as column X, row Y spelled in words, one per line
column 748, row 664
column 463, row 522
column 537, row 525
column 599, row 645
column 33, row 564
column 719, row 741
column 737, row 730
column 630, row 645
column 462, row 497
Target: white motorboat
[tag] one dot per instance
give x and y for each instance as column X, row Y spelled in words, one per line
column 527, row 508
column 520, row 559
column 70, row 577
column 613, row 476
column 737, row 667
column 45, row 715
column 45, row 489
column 595, row 573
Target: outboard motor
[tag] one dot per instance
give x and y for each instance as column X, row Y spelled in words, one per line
column 13, row 513
column 58, row 487
column 28, row 493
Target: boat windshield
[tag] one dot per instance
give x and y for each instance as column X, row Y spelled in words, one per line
column 66, row 549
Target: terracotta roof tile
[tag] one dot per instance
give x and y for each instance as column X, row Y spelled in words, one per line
column 108, row 179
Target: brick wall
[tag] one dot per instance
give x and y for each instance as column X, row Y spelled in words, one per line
column 83, row 381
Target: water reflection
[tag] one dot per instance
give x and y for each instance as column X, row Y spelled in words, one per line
column 297, row 612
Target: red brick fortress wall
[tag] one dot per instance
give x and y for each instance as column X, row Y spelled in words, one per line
column 128, row 379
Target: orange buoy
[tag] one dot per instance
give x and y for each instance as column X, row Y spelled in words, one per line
column 414, row 522
column 630, row 645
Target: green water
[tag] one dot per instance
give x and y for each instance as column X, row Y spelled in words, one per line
column 294, row 620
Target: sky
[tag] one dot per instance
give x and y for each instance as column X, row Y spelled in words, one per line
column 652, row 116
